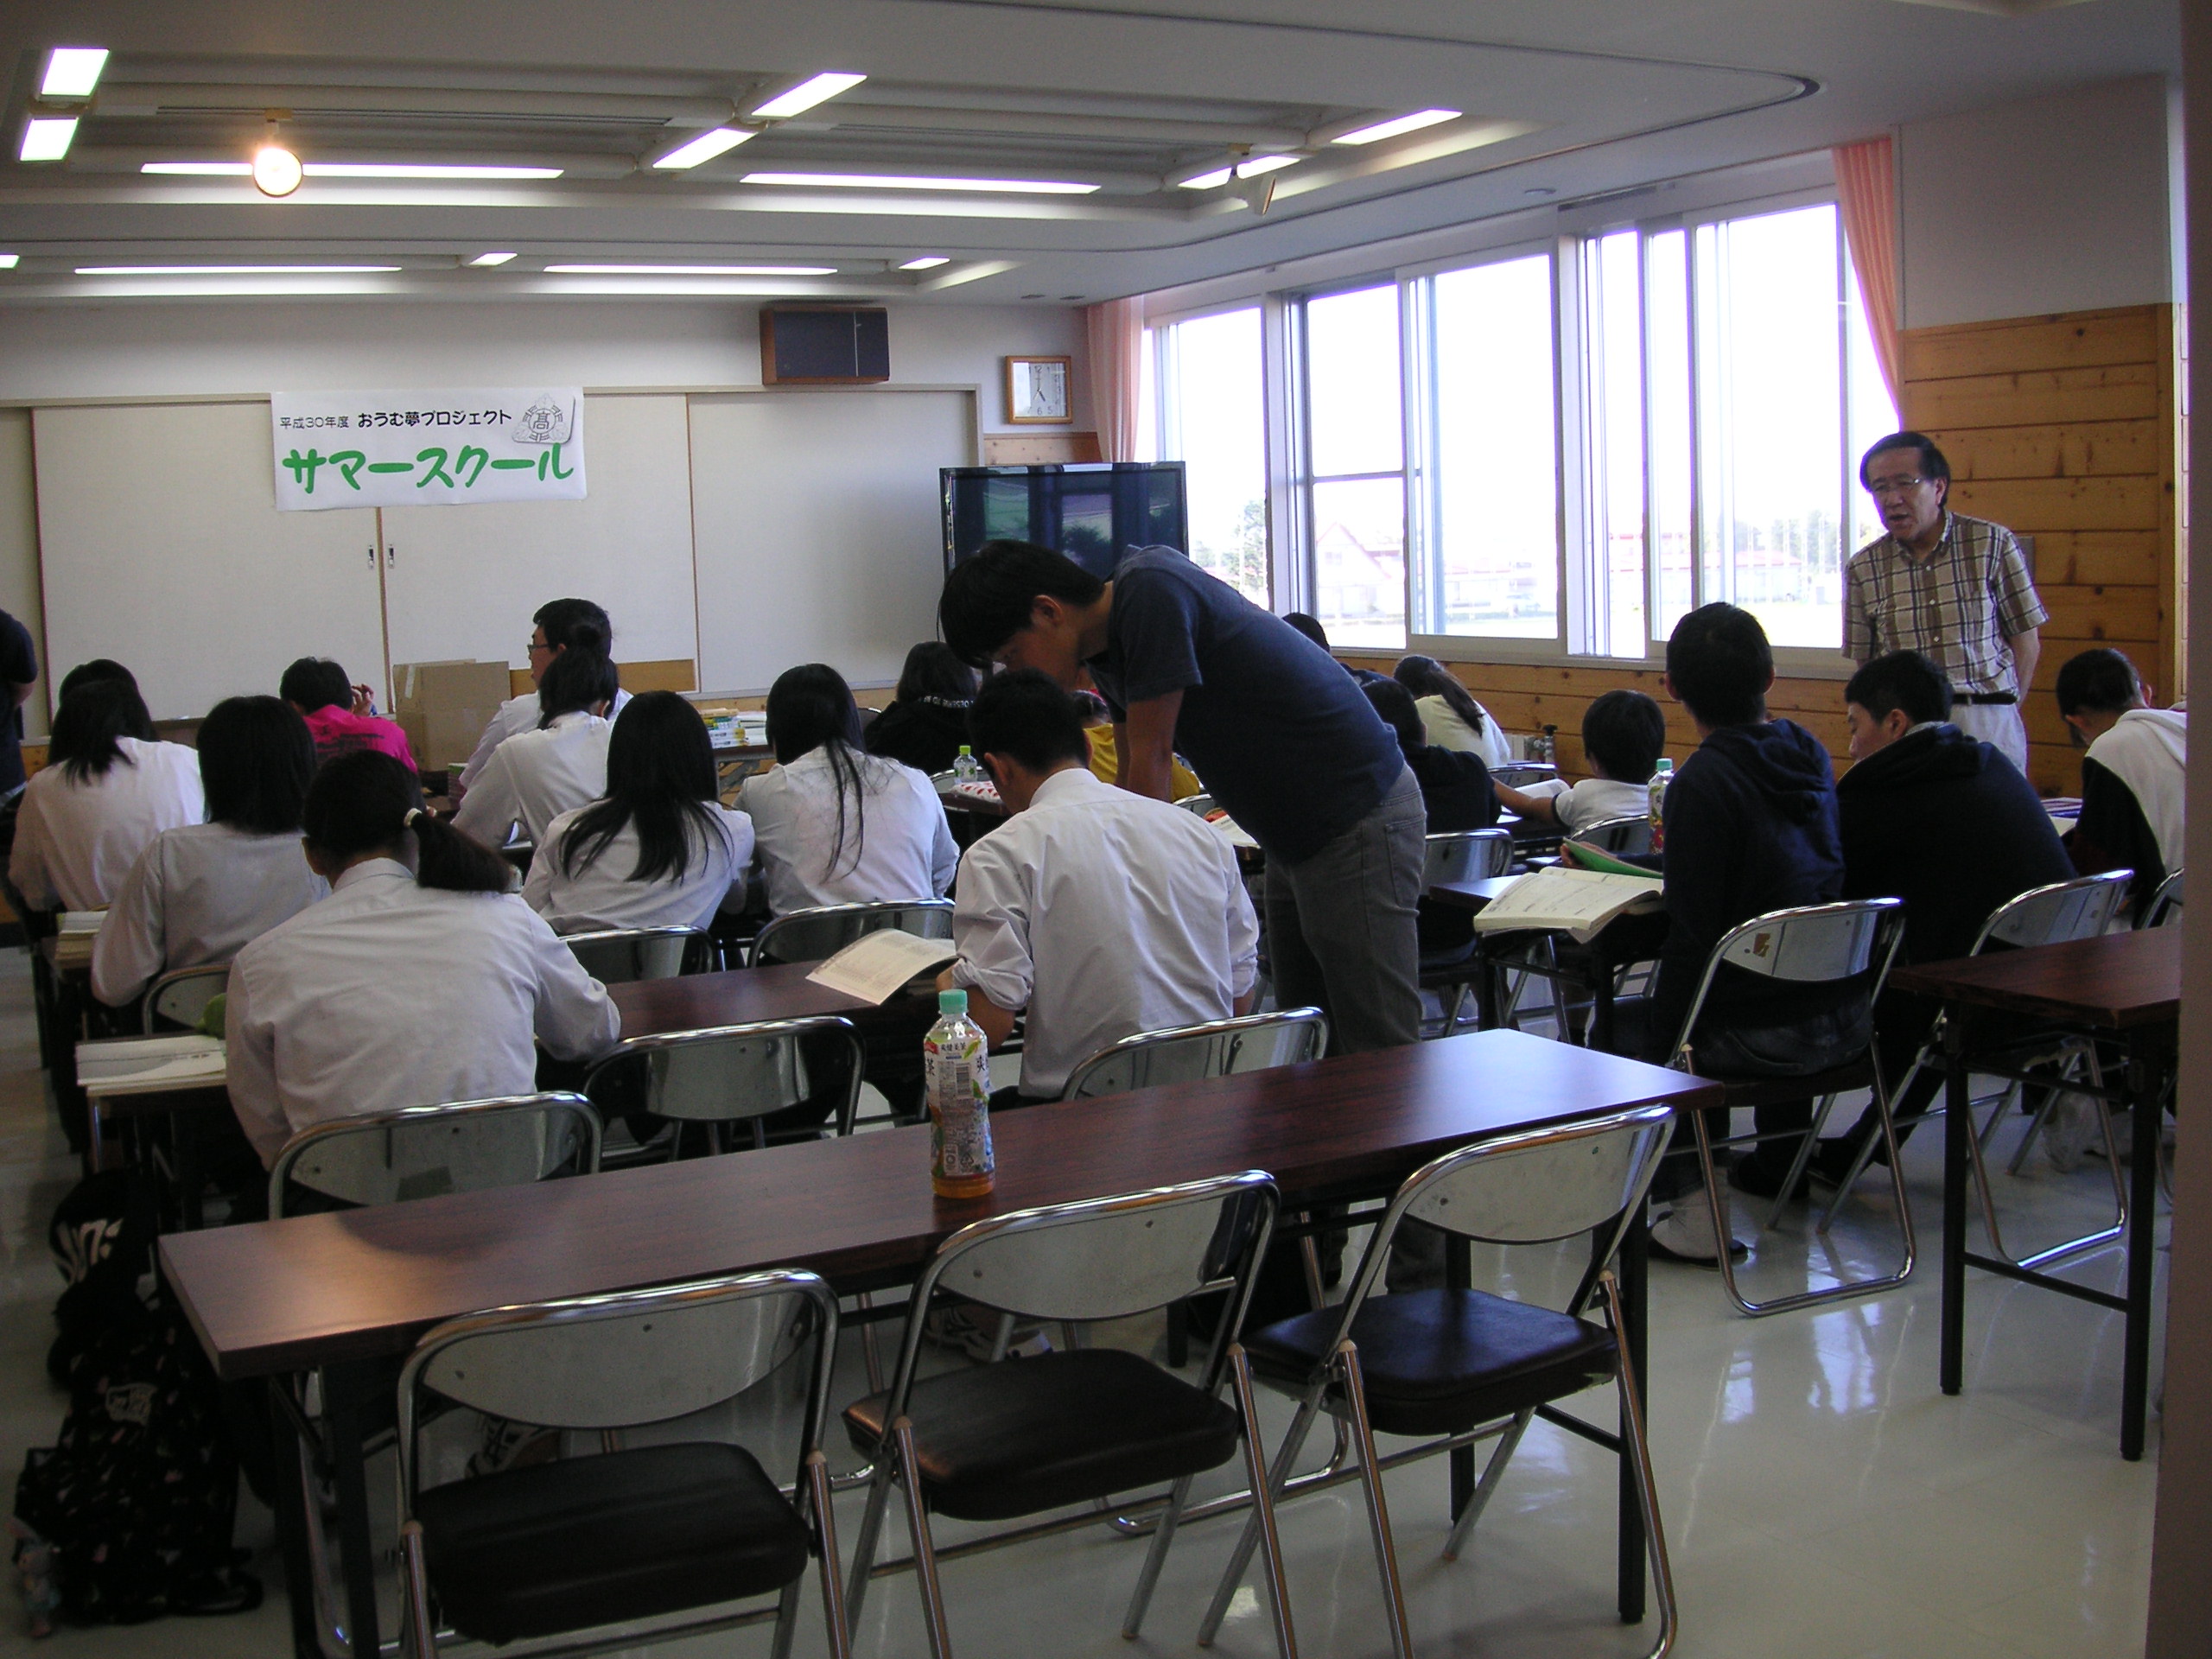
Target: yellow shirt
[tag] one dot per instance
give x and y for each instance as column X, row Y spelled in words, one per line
column 1181, row 779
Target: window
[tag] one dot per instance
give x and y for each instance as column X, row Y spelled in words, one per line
column 1355, row 466
column 1212, row 418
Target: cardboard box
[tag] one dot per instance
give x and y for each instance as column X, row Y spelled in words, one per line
column 444, row 707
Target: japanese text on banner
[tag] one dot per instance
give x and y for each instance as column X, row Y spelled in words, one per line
column 427, row 449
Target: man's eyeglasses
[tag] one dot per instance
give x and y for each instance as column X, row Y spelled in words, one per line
column 1882, row 488
column 539, row 645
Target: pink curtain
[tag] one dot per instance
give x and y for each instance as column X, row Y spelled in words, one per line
column 1866, row 193
column 1116, row 363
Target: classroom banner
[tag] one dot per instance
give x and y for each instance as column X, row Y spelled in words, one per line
column 438, row 449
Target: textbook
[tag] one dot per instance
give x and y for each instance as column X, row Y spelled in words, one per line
column 146, row 1065
column 1575, row 902
column 876, row 966
column 74, row 932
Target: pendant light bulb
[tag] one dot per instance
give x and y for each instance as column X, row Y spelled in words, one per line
column 276, row 171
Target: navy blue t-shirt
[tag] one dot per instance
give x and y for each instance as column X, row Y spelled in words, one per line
column 18, row 664
column 1276, row 730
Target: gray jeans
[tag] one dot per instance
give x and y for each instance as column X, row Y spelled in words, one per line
column 1341, row 931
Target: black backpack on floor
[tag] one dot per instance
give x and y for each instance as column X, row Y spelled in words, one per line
column 129, row 1515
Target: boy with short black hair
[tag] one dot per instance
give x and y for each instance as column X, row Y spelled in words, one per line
column 1623, row 733
column 2132, row 785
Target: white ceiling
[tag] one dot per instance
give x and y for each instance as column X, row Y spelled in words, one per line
column 1561, row 99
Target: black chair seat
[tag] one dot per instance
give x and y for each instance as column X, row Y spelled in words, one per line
column 1009, row 1439
column 1438, row 1361
column 1767, row 1091
column 591, row 1541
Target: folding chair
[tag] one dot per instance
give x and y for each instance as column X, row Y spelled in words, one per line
column 1467, row 1365
column 1459, row 856
column 619, row 955
column 1525, row 957
column 621, row 1542
column 823, row 931
column 2057, row 914
column 1816, row 944
column 2164, row 907
column 721, row 1076
column 182, row 996
column 1252, row 1042
column 1202, row 804
column 997, row 1442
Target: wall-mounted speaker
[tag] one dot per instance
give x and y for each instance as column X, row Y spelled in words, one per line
column 825, row 346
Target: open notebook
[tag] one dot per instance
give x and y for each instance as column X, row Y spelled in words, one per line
column 1575, row 902
column 145, row 1066
column 876, row 965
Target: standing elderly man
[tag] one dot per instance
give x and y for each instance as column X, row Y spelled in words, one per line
column 1954, row 589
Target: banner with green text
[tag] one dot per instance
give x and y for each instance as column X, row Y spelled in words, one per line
column 439, row 448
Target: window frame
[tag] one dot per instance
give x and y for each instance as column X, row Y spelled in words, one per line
column 1282, row 595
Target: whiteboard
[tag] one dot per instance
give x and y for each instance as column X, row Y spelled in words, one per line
column 819, row 535
column 463, row 581
column 160, row 545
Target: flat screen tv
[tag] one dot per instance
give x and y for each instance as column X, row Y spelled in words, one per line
column 1093, row 513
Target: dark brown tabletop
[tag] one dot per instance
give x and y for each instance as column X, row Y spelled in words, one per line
column 780, row 991
column 1471, row 895
column 2117, row 980
column 288, row 1295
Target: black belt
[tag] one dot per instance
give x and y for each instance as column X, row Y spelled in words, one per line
column 1986, row 697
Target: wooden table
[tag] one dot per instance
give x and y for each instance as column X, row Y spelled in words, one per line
column 340, row 1293
column 2121, row 987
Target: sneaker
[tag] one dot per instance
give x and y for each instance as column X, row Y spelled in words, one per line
column 974, row 1330
column 1685, row 1234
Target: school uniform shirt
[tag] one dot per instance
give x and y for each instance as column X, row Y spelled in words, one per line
column 511, row 719
column 1104, row 914
column 534, row 778
column 1446, row 730
column 603, row 893
column 2131, row 799
column 196, row 895
column 1600, row 800
column 389, row 995
column 897, row 846
column 76, row 841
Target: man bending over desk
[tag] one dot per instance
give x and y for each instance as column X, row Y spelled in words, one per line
column 1103, row 913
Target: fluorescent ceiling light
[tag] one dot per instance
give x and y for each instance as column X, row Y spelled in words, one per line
column 72, row 71
column 9, row 261
column 229, row 271
column 232, row 288
column 46, row 137
column 357, row 170
column 200, row 169
column 807, row 94
column 1395, row 125
column 484, row 260
column 1259, row 164
column 927, row 262
column 888, row 181
column 1211, row 180
column 691, row 270
column 704, row 147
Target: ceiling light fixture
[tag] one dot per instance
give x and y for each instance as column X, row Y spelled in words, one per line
column 704, row 147
column 816, row 89
column 1395, row 125
column 927, row 262
column 691, row 270
column 46, row 137
column 1212, row 181
column 72, row 71
column 1259, row 164
column 230, row 270
column 275, row 170
column 891, row 181
column 9, row 261
column 200, row 169
column 423, row 170
column 485, row 261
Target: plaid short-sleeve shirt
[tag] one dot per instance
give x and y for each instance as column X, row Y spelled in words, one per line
column 1957, row 607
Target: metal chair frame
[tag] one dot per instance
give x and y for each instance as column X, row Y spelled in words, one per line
column 1538, row 959
column 1535, row 1187
column 828, row 929
column 2164, row 906
column 454, row 1118
column 650, row 949
column 710, row 1341
column 1201, row 804
column 1461, row 856
column 2054, row 914
column 1776, row 945
column 1052, row 1264
column 666, row 1052
column 180, row 984
column 1220, row 1045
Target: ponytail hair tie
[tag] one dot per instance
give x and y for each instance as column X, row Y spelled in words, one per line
column 413, row 813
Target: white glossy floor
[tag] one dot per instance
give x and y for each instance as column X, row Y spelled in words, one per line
column 1821, row 1499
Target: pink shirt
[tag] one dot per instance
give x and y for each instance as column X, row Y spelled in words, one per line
column 339, row 731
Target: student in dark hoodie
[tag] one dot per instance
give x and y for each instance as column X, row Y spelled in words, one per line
column 1750, row 827
column 1942, row 821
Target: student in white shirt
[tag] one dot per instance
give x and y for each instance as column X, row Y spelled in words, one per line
column 552, row 632
column 660, row 850
column 532, row 779
column 1624, row 732
column 1102, row 913
column 202, row 890
column 107, row 790
column 420, row 979
column 1449, row 711
column 835, row 825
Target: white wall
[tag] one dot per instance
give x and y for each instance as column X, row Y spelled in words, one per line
column 2060, row 203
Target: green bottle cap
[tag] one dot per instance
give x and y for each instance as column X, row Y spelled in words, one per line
column 963, row 749
column 952, row 1002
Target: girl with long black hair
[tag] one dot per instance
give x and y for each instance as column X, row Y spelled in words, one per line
column 658, row 850
column 1449, row 711
column 833, row 824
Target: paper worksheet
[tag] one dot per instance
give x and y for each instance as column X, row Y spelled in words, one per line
column 140, row 1065
column 1575, row 902
column 874, row 966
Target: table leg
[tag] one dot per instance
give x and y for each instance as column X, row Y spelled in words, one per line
column 1460, row 1274
column 1631, row 1269
column 341, row 1419
column 1958, row 1124
column 2143, row 1095
column 292, row 1499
